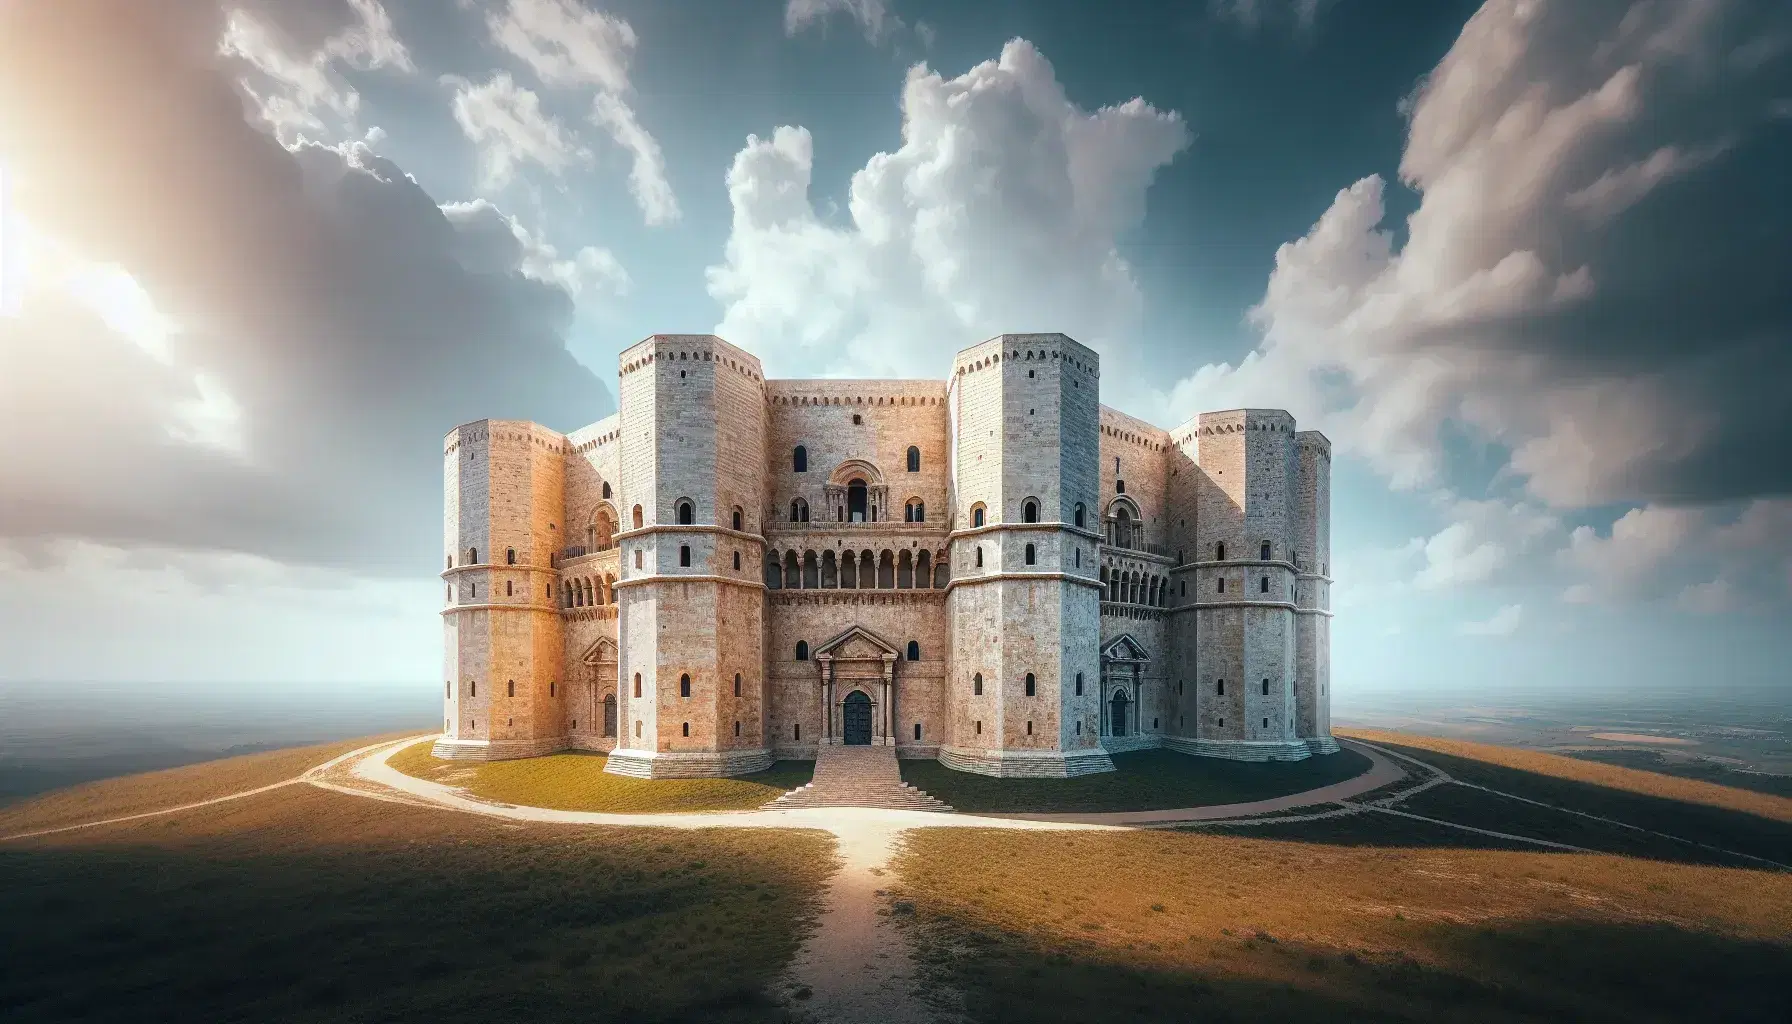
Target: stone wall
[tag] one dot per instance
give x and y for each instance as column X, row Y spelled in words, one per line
column 596, row 597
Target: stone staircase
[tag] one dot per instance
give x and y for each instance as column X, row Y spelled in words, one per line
column 857, row 777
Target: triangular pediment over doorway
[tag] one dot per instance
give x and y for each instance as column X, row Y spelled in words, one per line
column 1124, row 648
column 604, row 650
column 857, row 643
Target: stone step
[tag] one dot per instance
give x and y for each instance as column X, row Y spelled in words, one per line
column 864, row 776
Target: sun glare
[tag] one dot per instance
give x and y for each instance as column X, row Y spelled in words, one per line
column 12, row 252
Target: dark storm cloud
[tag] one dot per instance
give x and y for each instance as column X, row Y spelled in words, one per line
column 351, row 321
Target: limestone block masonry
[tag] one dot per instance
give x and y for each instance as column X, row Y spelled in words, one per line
column 993, row 570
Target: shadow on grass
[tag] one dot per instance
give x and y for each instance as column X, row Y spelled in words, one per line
column 1145, row 780
column 285, row 914
column 1701, row 823
column 1524, row 969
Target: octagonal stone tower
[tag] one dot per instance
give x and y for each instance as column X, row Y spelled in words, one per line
column 1024, row 604
column 691, row 602
column 504, row 482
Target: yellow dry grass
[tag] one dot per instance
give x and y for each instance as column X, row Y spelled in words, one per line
column 1629, row 780
column 1153, row 925
column 577, row 782
column 134, row 794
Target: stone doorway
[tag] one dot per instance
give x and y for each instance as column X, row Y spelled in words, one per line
column 1117, row 715
column 856, row 719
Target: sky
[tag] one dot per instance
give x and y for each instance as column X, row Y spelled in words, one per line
column 1528, row 265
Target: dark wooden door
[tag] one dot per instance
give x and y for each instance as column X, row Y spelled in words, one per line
column 857, row 719
column 1117, row 715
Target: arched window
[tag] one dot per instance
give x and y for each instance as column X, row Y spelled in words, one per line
column 1264, row 586
column 1221, row 586
column 472, row 556
column 799, row 510
column 1079, row 513
column 684, row 555
column 510, row 688
column 1079, row 558
column 1030, row 554
column 1032, row 685
column 687, row 728
column 687, row 512
column 684, row 685
column 977, row 684
column 914, row 650
column 737, row 517
column 637, row 684
column 507, row 591
column 802, row 650
column 800, row 459
column 914, row 512
column 737, row 693
column 979, row 556
column 610, row 715
column 737, row 728
column 977, row 516
column 509, row 556
column 606, row 489
column 914, row 459
column 1029, row 511
column 1263, row 552
column 1079, row 684
column 1219, row 551
column 737, row 560
column 637, row 517
column 917, row 730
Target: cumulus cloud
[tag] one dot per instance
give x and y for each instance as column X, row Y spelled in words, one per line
column 1501, row 623
column 1001, row 211
column 348, row 319
column 508, row 125
column 572, row 47
column 873, row 16
column 1582, row 282
column 1659, row 552
column 297, row 48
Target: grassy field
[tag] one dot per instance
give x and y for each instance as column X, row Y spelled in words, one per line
column 1657, row 761
column 1145, row 780
column 1614, row 778
column 133, row 794
column 1156, row 926
column 306, row 905
column 1640, row 802
column 577, row 782
column 1369, row 916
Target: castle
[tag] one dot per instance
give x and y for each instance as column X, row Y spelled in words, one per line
column 994, row 570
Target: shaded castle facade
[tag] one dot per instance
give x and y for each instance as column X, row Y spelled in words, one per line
column 994, row 570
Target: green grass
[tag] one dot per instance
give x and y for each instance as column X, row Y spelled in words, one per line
column 1145, row 780
column 309, row 906
column 577, row 782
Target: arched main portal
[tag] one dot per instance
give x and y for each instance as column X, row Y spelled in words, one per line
column 1117, row 716
column 856, row 719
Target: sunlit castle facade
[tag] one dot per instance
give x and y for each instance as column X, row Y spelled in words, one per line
column 993, row 570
